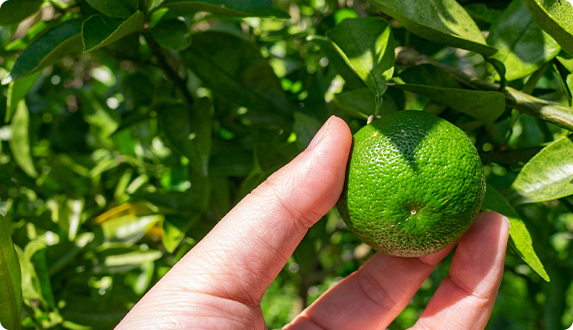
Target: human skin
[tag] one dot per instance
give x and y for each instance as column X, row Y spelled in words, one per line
column 220, row 282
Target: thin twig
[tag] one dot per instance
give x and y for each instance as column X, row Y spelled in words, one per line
column 528, row 104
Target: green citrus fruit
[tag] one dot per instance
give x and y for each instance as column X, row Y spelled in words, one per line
column 414, row 184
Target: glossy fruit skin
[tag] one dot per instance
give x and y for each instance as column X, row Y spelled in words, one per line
column 414, row 184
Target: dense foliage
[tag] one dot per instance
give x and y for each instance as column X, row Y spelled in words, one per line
column 130, row 127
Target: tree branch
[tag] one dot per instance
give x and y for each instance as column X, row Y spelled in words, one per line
column 536, row 107
column 169, row 71
column 525, row 103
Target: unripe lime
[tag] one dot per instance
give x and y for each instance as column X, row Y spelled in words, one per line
column 414, row 184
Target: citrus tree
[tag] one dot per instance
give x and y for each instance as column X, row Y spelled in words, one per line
column 130, row 127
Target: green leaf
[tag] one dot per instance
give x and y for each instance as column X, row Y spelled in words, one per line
column 31, row 289
column 189, row 131
column 173, row 34
column 128, row 229
column 232, row 161
column 140, row 279
column 361, row 103
column 69, row 216
column 494, row 201
column 115, row 8
column 10, row 280
column 83, row 312
column 14, row 11
column 243, row 8
column 563, row 74
column 547, row 176
column 102, row 120
column 441, row 21
column 99, row 30
column 38, row 259
column 175, row 228
column 351, row 80
column 499, row 67
column 436, row 84
column 60, row 255
column 31, row 34
column 555, row 18
column 17, row 91
column 482, row 12
column 305, row 127
column 566, row 61
column 135, row 118
column 367, row 46
column 236, row 70
column 132, row 258
column 49, row 48
column 20, row 141
column 523, row 46
column 358, row 103
column 569, row 81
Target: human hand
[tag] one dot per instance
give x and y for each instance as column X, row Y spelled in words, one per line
column 220, row 282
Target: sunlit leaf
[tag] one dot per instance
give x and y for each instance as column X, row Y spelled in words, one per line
column 38, row 259
column 334, row 57
column 31, row 289
column 31, row 34
column 245, row 8
column 126, row 209
column 566, row 60
column 521, row 239
column 523, row 46
column 20, row 141
column 175, row 228
column 132, row 258
column 367, row 46
column 140, row 279
column 434, row 83
column 17, row 92
column 102, row 120
column 563, row 74
column 547, row 176
column 10, row 280
column 556, row 18
column 441, row 21
column 99, row 30
column 69, row 216
column 49, row 48
column 128, row 228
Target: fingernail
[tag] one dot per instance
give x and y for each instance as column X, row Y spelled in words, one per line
column 319, row 134
column 508, row 223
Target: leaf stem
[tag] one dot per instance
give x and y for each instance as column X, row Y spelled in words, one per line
column 164, row 65
column 378, row 100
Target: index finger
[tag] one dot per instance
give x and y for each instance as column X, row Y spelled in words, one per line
column 247, row 249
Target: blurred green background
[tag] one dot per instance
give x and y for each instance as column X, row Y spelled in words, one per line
column 108, row 174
